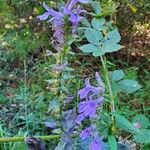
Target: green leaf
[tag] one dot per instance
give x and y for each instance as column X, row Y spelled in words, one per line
column 97, row 52
column 97, row 23
column 109, row 47
column 124, row 124
column 97, row 8
column 117, row 75
column 114, row 37
column 143, row 137
column 112, row 142
column 129, row 86
column 115, row 87
column 86, row 23
column 142, row 120
column 93, row 36
column 88, row 48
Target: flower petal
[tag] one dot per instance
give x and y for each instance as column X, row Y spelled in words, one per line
column 80, row 118
column 96, row 144
column 44, row 16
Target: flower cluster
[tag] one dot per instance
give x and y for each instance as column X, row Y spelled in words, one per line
column 73, row 15
column 87, row 109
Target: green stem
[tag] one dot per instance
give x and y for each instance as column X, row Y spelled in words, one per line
column 108, row 84
column 21, row 139
column 112, row 129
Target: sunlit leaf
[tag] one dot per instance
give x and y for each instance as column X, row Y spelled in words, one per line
column 143, row 137
column 117, row 75
column 93, row 36
column 124, row 124
column 129, row 86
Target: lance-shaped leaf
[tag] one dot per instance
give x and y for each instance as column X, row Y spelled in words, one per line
column 143, row 137
column 124, row 124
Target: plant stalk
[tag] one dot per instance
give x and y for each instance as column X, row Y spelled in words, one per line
column 21, row 139
column 112, row 106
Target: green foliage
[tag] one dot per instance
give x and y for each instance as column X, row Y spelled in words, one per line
column 98, row 23
column 112, row 142
column 129, row 86
column 142, row 137
column 123, row 85
column 101, row 43
column 27, row 106
column 93, row 36
column 142, row 120
column 88, row 48
column 124, row 124
column 117, row 75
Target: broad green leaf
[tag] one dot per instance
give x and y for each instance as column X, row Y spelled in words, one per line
column 112, row 142
column 129, row 86
column 114, row 37
column 124, row 124
column 109, row 47
column 97, row 23
column 97, row 52
column 93, row 36
column 117, row 75
column 88, row 48
column 142, row 120
column 143, row 137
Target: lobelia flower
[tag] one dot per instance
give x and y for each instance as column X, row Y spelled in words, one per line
column 58, row 19
column 91, row 90
column 96, row 144
column 86, row 133
column 87, row 109
column 93, row 99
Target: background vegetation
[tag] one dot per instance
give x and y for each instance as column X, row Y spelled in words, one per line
column 25, row 95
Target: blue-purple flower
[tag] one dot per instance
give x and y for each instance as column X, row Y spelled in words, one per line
column 96, row 144
column 87, row 109
column 92, row 97
column 90, row 90
column 86, row 133
column 58, row 18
